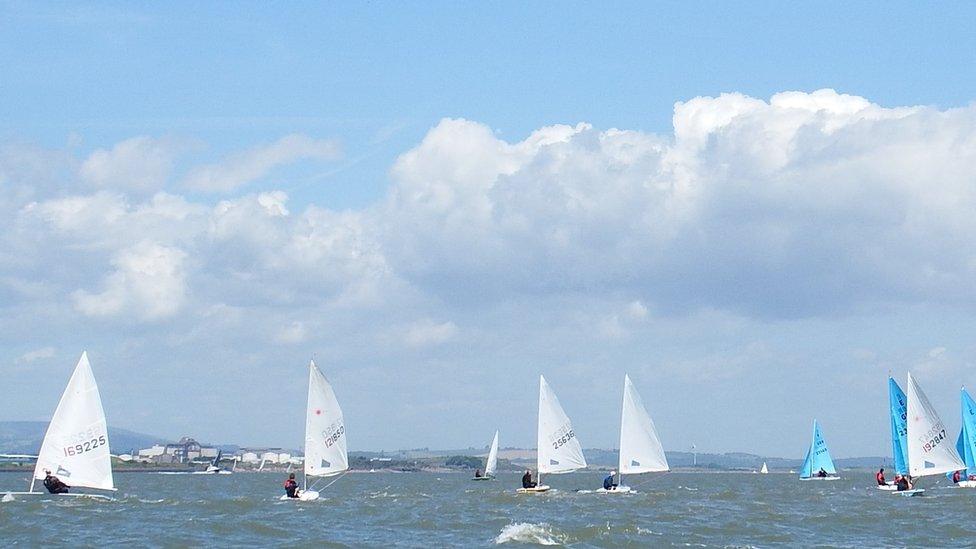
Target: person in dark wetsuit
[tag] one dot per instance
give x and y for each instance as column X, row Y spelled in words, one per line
column 608, row 483
column 879, row 476
column 822, row 473
column 956, row 477
column 291, row 486
column 477, row 473
column 527, row 480
column 54, row 484
column 904, row 483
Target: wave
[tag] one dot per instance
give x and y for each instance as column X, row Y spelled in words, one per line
column 527, row 532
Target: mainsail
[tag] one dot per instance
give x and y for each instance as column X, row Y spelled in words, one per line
column 966, row 444
column 899, row 427
column 559, row 449
column 75, row 447
column 325, row 433
column 818, row 456
column 492, row 462
column 640, row 447
column 929, row 449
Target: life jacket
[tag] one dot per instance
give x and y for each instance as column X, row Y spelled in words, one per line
column 880, row 477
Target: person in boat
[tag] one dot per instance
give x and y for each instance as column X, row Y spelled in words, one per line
column 54, row 484
column 608, row 483
column 291, row 486
column 822, row 473
column 879, row 476
column 904, row 482
column 956, row 477
column 527, row 480
column 477, row 473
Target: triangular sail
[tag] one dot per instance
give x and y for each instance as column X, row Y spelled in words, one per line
column 898, row 404
column 966, row 444
column 929, row 450
column 640, row 447
column 492, row 462
column 764, row 469
column 325, row 433
column 75, row 447
column 818, row 456
column 559, row 449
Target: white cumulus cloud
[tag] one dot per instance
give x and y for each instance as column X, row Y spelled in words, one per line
column 139, row 164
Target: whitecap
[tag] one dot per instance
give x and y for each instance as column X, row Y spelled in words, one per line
column 527, row 532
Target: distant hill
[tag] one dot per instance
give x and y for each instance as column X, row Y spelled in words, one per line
column 24, row 437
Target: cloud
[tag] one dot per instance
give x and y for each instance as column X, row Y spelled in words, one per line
column 296, row 332
column 242, row 168
column 148, row 282
column 426, row 333
column 140, row 164
column 37, row 354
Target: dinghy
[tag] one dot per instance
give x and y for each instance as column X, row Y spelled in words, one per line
column 898, row 410
column 818, row 457
column 966, row 443
column 214, row 468
column 75, row 447
column 764, row 470
column 325, row 435
column 492, row 462
column 929, row 450
column 640, row 447
column 559, row 450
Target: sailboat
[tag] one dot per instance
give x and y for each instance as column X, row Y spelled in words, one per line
column 929, row 450
column 640, row 447
column 898, row 408
column 325, row 434
column 214, row 468
column 492, row 462
column 764, row 470
column 818, row 457
column 559, row 450
column 966, row 443
column 75, row 447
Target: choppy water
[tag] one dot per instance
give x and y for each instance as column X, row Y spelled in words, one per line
column 416, row 510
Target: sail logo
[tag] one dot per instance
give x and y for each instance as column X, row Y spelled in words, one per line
column 928, row 465
column 553, row 462
column 63, row 472
column 634, row 463
column 325, row 464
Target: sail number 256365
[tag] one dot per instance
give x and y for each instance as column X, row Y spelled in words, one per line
column 85, row 446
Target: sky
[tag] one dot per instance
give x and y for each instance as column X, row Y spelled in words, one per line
column 759, row 210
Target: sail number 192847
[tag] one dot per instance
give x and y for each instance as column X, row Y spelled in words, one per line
column 934, row 438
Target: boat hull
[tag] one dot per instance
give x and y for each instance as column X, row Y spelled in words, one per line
column 307, row 495
column 482, row 478
column 821, row 478
column 966, row 484
column 537, row 489
column 45, row 495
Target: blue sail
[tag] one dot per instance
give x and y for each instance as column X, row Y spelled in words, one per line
column 967, row 436
column 899, row 426
column 818, row 456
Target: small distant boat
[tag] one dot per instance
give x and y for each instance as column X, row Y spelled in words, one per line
column 817, row 458
column 929, row 450
column 325, row 434
column 764, row 470
column 559, row 450
column 640, row 447
column 492, row 462
column 214, row 468
column 966, row 443
column 76, row 447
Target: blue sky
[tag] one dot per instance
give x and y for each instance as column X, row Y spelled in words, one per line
column 442, row 201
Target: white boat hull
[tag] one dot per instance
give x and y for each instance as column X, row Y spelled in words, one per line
column 100, row 497
column 537, row 489
column 617, row 490
column 307, row 495
column 482, row 478
column 821, row 478
column 887, row 487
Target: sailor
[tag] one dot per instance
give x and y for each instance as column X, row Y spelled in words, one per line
column 904, row 483
column 527, row 480
column 477, row 473
column 879, row 476
column 956, row 477
column 822, row 473
column 291, row 486
column 608, row 483
column 54, row 484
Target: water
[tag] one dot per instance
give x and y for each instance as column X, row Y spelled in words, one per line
column 423, row 510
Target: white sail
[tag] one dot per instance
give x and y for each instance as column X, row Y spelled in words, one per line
column 325, row 433
column 640, row 447
column 764, row 470
column 75, row 447
column 559, row 449
column 492, row 462
column 930, row 450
